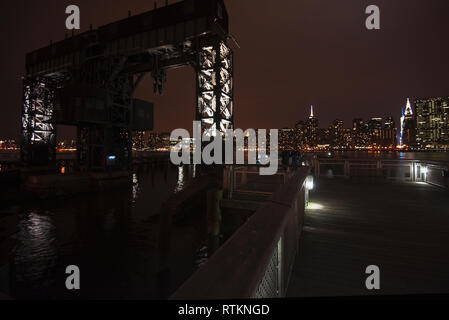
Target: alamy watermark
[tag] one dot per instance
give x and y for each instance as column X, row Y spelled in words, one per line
column 372, row 282
column 212, row 153
column 73, row 20
column 72, row 282
column 373, row 20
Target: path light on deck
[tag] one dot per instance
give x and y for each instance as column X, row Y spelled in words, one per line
column 309, row 183
column 314, row 206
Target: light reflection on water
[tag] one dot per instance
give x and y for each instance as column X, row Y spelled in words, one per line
column 112, row 237
column 429, row 156
column 180, row 183
column 36, row 255
column 136, row 189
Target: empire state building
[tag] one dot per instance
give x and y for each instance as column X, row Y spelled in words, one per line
column 312, row 130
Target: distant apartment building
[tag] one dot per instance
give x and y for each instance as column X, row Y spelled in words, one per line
column 375, row 131
column 9, row 144
column 299, row 135
column 337, row 134
column 140, row 140
column 388, row 136
column 432, row 116
column 287, row 139
column 359, row 133
column 159, row 141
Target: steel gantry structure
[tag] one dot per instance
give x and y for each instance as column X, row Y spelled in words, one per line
column 89, row 80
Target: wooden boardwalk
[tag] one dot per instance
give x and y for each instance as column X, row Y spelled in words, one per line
column 401, row 227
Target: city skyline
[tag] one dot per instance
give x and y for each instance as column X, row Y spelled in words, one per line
column 405, row 130
column 307, row 112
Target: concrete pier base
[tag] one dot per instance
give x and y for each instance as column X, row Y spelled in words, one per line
column 45, row 186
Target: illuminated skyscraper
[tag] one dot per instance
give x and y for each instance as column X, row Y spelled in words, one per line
column 359, row 133
column 408, row 127
column 287, row 139
column 375, row 131
column 300, row 132
column 408, row 110
column 432, row 123
column 312, row 129
column 336, row 134
column 388, row 136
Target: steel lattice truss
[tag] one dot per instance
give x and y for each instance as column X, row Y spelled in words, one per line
column 215, row 88
column 38, row 129
column 97, row 142
column 89, row 80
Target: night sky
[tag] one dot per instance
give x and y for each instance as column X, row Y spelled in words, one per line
column 293, row 53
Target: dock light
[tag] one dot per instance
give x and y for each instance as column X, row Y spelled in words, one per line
column 315, row 206
column 309, row 183
column 111, row 158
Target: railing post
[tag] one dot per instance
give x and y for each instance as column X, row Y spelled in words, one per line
column 446, row 178
column 214, row 197
column 280, row 267
column 306, row 197
column 427, row 173
column 317, row 168
column 232, row 182
column 244, row 177
column 227, row 180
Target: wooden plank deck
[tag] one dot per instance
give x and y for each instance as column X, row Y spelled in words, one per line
column 401, row 227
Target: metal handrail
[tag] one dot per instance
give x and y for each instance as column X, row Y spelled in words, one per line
column 256, row 262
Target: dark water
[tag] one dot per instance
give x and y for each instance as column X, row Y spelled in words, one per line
column 112, row 237
column 429, row 156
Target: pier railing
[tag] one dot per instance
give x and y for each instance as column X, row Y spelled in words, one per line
column 247, row 179
column 256, row 262
column 431, row 172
